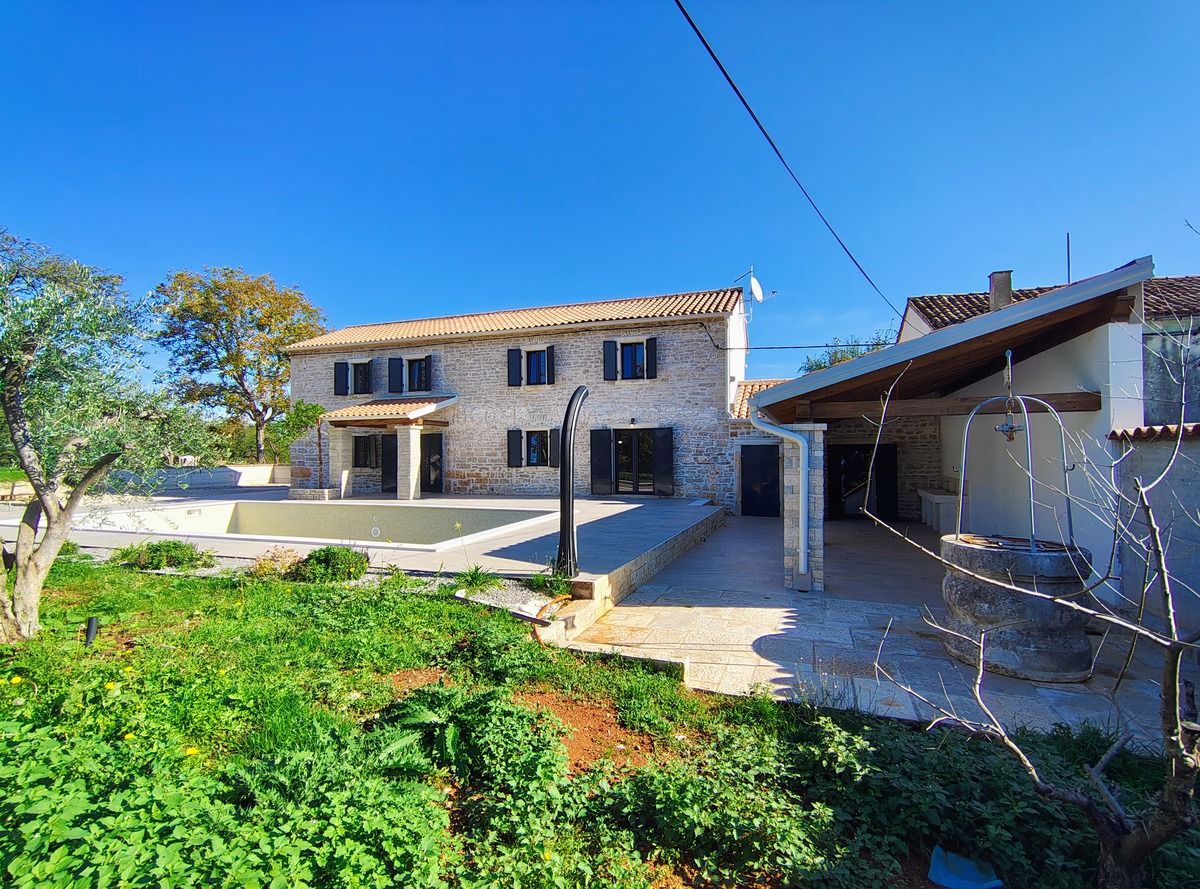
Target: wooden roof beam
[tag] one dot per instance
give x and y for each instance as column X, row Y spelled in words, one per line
column 953, row 405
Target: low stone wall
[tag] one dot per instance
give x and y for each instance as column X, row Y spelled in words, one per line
column 193, row 478
column 611, row 588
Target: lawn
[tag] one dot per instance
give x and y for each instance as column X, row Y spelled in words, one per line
column 12, row 474
column 232, row 732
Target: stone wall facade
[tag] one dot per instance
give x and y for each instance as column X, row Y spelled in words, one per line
column 690, row 395
column 918, row 453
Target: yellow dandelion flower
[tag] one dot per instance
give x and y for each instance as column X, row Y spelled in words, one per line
column 191, row 751
column 547, row 855
column 110, row 685
column 127, row 670
column 16, row 680
column 222, row 671
column 129, row 736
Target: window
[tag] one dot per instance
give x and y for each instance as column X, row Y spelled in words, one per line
column 633, row 361
column 535, row 368
column 418, row 374
column 366, row 455
column 537, row 448
column 362, row 378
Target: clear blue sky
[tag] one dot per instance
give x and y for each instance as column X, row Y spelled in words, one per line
column 398, row 160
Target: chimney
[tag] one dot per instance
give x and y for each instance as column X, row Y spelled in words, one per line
column 999, row 290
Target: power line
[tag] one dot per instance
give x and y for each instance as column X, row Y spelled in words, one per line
column 779, row 154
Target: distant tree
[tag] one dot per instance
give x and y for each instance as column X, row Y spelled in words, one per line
column 238, row 437
column 226, row 332
column 70, row 340
column 842, row 350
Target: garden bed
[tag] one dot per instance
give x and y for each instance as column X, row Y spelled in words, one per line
column 389, row 733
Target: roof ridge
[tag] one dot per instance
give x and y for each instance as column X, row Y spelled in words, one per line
column 572, row 305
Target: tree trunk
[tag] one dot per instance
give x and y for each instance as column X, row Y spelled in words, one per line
column 260, row 438
column 1116, row 871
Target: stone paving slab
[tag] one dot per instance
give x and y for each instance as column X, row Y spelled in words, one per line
column 823, row 649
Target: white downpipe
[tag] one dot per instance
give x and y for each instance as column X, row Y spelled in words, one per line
column 799, row 438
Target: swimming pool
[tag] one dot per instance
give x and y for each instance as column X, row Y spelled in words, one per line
column 408, row 526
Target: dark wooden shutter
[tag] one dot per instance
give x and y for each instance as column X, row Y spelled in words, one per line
column 610, row 359
column 428, row 373
column 664, row 462
column 549, row 365
column 514, row 448
column 341, row 378
column 395, row 375
column 651, row 358
column 602, row 461
column 373, row 375
column 555, row 444
column 514, row 367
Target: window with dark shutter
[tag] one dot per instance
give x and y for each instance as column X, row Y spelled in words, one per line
column 514, row 367
column 362, row 378
column 537, row 448
column 535, row 367
column 651, row 358
column 418, row 374
column 514, row 448
column 633, row 361
column 602, row 461
column 395, row 376
column 550, row 365
column 341, row 378
column 610, row 359
column 366, row 454
column 555, row 447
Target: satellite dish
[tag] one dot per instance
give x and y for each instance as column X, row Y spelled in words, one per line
column 756, row 289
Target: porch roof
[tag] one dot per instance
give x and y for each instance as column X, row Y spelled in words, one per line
column 389, row 411
column 948, row 359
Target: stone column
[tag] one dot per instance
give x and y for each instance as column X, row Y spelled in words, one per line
column 408, row 462
column 814, row 579
column 339, row 449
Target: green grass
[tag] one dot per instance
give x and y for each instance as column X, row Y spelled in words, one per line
column 12, row 474
column 228, row 731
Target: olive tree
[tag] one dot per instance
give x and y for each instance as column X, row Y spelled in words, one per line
column 70, row 341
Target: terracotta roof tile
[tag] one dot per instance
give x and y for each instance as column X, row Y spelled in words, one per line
column 387, row 409
column 706, row 302
column 1165, row 297
column 1169, row 431
column 746, row 390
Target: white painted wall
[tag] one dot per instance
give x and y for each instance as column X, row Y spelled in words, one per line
column 737, row 337
column 1106, row 360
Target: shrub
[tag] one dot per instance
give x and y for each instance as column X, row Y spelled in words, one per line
column 330, row 564
column 163, row 554
column 275, row 562
column 476, row 579
column 552, row 585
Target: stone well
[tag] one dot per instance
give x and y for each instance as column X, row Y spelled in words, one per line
column 1027, row 637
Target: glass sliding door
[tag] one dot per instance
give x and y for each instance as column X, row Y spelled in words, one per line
column 635, row 460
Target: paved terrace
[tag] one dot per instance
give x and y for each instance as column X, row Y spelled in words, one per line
column 721, row 609
column 611, row 531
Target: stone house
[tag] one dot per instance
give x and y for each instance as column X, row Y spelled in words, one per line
column 472, row 404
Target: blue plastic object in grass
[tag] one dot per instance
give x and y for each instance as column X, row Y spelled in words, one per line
column 955, row 872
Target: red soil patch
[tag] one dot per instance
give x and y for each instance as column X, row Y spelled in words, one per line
column 593, row 732
column 407, row 680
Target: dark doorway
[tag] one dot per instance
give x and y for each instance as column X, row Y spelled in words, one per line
column 431, row 463
column 846, row 482
column 633, row 461
column 387, row 463
column 760, row 480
